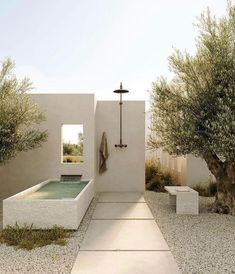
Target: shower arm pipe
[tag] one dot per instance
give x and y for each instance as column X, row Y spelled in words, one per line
column 120, row 118
column 121, row 145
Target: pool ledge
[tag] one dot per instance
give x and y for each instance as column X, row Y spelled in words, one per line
column 45, row 213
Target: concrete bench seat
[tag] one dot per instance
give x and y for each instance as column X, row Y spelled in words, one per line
column 184, row 198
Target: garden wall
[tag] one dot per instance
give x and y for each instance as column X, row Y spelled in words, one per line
column 32, row 167
column 125, row 166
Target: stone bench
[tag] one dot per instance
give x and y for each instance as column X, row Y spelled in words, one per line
column 184, row 198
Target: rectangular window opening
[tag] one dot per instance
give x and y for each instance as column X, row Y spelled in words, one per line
column 72, row 144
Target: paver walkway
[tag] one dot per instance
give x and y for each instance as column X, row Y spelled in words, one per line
column 123, row 238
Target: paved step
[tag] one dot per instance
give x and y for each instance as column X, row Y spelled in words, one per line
column 125, row 262
column 122, row 211
column 121, row 197
column 123, row 235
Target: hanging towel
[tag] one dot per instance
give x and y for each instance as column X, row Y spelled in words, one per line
column 103, row 154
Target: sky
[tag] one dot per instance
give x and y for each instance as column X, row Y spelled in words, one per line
column 89, row 46
column 70, row 133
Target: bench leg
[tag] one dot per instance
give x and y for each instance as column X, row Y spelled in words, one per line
column 172, row 200
column 187, row 203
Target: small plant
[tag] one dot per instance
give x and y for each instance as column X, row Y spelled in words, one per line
column 68, row 159
column 155, row 177
column 206, row 191
column 72, row 159
column 27, row 238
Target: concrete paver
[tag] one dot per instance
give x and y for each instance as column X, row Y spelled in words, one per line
column 125, row 262
column 119, row 197
column 123, row 235
column 123, row 238
column 122, row 211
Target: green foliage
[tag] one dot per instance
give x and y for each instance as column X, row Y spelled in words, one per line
column 194, row 113
column 27, row 238
column 17, row 115
column 61, row 242
column 72, row 153
column 72, row 149
column 155, row 177
column 68, row 149
column 80, row 144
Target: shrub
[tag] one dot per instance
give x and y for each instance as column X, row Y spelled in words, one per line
column 73, row 149
column 206, row 191
column 72, row 159
column 68, row 159
column 27, row 238
column 155, row 177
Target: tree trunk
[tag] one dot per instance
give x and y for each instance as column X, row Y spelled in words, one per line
column 225, row 202
column 224, row 173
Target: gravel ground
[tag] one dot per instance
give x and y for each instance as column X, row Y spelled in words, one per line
column 203, row 244
column 49, row 259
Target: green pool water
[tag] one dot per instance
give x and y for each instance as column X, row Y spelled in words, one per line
column 57, row 190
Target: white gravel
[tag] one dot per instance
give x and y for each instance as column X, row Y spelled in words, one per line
column 48, row 259
column 203, row 244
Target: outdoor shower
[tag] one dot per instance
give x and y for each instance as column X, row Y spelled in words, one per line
column 121, row 91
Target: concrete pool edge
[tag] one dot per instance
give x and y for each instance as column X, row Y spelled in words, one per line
column 57, row 190
column 46, row 213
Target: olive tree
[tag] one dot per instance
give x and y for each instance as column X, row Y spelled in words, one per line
column 195, row 112
column 18, row 114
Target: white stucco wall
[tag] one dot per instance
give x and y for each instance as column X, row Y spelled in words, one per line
column 125, row 166
column 30, row 168
column 197, row 171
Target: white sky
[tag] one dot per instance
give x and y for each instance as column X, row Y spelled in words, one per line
column 90, row 46
column 70, row 133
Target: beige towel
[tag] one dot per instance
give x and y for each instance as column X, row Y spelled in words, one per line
column 103, row 154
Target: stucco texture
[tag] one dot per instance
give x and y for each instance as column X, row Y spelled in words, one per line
column 125, row 167
column 32, row 167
